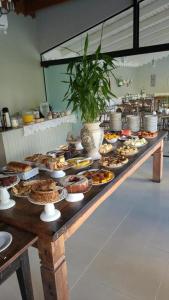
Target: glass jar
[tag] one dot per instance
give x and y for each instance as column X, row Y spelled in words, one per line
column 28, row 117
column 14, row 122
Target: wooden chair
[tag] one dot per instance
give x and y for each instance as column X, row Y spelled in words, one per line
column 15, row 259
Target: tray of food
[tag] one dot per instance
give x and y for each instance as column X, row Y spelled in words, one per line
column 48, row 163
column 24, row 188
column 147, row 134
column 125, row 132
column 127, row 150
column 44, row 192
column 8, row 181
column 136, row 142
column 106, row 148
column 57, row 163
column 76, row 183
column 98, row 176
column 114, row 161
column 22, row 170
column 78, row 163
column 111, row 137
column 37, row 159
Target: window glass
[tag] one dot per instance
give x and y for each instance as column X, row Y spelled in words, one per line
column 154, row 22
column 115, row 34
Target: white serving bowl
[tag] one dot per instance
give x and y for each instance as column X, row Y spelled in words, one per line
column 57, row 174
column 112, row 141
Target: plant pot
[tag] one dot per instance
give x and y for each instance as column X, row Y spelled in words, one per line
column 92, row 137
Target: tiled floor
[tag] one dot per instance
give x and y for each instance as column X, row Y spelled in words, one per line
column 122, row 251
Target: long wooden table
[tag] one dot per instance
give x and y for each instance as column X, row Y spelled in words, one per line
column 52, row 236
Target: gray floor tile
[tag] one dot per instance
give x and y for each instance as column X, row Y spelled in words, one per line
column 134, row 271
column 94, row 289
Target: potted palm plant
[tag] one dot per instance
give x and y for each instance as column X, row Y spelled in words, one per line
column 89, row 92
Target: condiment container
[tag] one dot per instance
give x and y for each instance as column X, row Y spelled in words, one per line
column 28, row 117
column 14, row 122
column 36, row 114
column 49, row 116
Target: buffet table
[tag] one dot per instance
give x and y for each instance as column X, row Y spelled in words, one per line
column 52, row 236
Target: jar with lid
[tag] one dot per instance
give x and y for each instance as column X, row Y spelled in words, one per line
column 28, row 117
column 14, row 122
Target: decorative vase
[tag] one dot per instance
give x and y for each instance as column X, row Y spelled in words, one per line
column 92, row 137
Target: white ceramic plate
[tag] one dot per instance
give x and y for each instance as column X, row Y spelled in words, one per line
column 5, row 240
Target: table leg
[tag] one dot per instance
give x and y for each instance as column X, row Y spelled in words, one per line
column 158, row 163
column 24, row 277
column 53, row 269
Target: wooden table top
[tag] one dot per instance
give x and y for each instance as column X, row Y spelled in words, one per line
column 21, row 240
column 25, row 215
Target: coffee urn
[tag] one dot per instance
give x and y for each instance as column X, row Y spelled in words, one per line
column 6, row 120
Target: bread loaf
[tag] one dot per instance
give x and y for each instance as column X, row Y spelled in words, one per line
column 17, row 166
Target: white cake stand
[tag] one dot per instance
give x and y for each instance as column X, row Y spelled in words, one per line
column 50, row 213
column 54, row 173
column 74, row 197
column 57, row 174
column 5, row 200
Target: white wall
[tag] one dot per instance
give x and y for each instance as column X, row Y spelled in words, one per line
column 61, row 22
column 125, row 73
column 21, row 77
column 161, row 70
column 141, row 78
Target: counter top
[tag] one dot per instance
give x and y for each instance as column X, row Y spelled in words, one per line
column 34, row 128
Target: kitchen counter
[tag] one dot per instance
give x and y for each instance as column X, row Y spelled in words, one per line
column 16, row 145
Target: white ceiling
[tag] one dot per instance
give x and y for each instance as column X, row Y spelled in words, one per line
column 118, row 34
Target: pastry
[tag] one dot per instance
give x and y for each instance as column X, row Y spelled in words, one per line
column 75, row 183
column 110, row 136
column 7, row 181
column 127, row 150
column 147, row 134
column 52, row 163
column 23, row 188
column 136, row 142
column 18, row 167
column 57, row 163
column 79, row 162
column 44, row 192
column 126, row 132
column 37, row 158
column 115, row 161
column 99, row 176
column 105, row 148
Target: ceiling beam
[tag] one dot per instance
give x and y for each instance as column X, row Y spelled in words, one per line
column 113, row 54
column 30, row 7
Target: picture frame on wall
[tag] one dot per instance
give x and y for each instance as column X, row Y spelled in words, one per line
column 153, row 80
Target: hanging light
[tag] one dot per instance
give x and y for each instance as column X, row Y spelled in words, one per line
column 6, row 6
